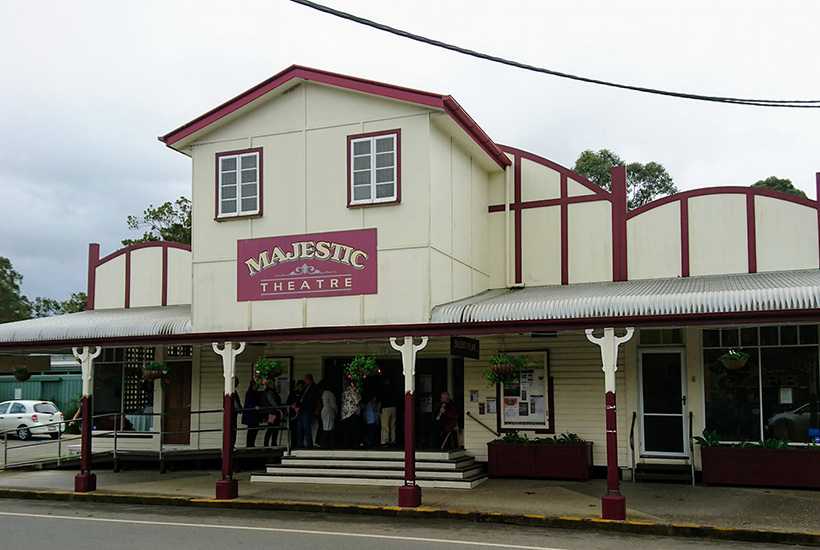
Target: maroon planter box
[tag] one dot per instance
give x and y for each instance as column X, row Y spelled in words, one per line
column 540, row 460
column 757, row 466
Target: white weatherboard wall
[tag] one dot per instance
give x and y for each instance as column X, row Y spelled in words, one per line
column 579, row 394
column 439, row 182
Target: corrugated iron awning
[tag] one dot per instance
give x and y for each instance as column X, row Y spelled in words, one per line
column 741, row 293
column 101, row 323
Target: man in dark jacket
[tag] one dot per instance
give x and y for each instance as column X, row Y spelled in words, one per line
column 304, row 414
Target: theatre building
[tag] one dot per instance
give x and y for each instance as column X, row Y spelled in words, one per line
column 335, row 216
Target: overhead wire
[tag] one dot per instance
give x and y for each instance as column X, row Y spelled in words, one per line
column 789, row 103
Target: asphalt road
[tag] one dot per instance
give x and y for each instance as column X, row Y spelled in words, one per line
column 75, row 526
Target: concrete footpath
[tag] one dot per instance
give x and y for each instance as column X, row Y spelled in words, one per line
column 743, row 514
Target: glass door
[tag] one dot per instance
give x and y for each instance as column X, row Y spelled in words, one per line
column 663, row 404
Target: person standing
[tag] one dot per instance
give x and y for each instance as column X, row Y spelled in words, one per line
column 304, row 414
column 270, row 401
column 350, row 425
column 236, row 404
column 329, row 413
column 293, row 403
column 250, row 413
column 389, row 403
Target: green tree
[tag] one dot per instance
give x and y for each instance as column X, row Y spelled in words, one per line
column 644, row 182
column 45, row 307
column 13, row 305
column 169, row 222
column 779, row 184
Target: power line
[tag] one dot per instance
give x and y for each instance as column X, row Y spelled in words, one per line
column 791, row 103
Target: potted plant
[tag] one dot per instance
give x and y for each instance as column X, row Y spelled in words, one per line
column 360, row 368
column 265, row 369
column 152, row 371
column 563, row 457
column 734, row 359
column 503, row 369
column 769, row 463
column 21, row 372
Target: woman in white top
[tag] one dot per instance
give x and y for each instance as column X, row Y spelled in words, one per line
column 329, row 413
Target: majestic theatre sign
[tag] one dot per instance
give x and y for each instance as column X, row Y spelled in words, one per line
column 301, row 266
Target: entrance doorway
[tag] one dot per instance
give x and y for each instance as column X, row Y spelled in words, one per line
column 663, row 404
column 178, row 406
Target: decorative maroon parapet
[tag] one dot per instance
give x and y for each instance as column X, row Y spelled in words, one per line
column 409, row 493
column 85, row 481
column 619, row 209
column 227, row 488
column 613, row 504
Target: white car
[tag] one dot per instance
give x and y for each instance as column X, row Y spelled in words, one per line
column 26, row 418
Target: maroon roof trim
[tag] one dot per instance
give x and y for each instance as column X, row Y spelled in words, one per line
column 445, row 103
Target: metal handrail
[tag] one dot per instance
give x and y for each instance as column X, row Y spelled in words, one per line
column 691, row 450
column 632, row 442
column 484, row 425
column 117, row 432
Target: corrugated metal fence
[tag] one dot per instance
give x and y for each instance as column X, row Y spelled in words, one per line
column 61, row 388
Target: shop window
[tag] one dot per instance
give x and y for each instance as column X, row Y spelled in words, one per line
column 661, row 337
column 239, row 184
column 118, row 388
column 773, row 394
column 374, row 168
column 527, row 405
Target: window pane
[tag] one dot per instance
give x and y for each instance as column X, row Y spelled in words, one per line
column 384, row 175
column 361, row 178
column 249, row 205
column 384, row 145
column 248, row 191
column 249, row 162
column 361, row 193
column 788, row 335
column 768, row 336
column 384, row 191
column 711, row 338
column 248, row 176
column 229, row 207
column 808, row 334
column 361, row 147
column 229, row 192
column 729, row 337
column 732, row 397
column 790, row 389
column 384, row 160
column 228, row 163
column 748, row 336
column 229, row 178
column 361, row 163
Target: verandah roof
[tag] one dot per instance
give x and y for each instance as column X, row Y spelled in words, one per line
column 788, row 296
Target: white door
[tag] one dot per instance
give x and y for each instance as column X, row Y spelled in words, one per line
column 663, row 404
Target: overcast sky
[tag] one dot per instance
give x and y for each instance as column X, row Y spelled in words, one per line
column 87, row 87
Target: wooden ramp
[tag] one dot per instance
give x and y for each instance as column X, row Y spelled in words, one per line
column 442, row 469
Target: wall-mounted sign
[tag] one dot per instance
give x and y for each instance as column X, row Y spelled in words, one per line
column 461, row 346
column 341, row 263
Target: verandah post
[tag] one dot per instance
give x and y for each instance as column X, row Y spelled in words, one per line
column 228, row 488
column 86, row 480
column 409, row 493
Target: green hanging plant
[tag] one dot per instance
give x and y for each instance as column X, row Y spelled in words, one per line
column 360, row 368
column 266, row 369
column 503, row 369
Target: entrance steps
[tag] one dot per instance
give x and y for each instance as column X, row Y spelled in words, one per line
column 440, row 469
column 681, row 473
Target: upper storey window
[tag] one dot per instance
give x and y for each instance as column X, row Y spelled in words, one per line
column 374, row 166
column 239, row 186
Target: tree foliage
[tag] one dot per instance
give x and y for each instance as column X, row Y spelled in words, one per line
column 779, row 184
column 644, row 182
column 169, row 222
column 17, row 307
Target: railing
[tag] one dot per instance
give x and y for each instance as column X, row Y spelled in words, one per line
column 691, row 450
column 26, row 451
column 632, row 442
column 492, row 431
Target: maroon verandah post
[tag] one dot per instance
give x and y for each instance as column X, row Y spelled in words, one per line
column 409, row 493
column 227, row 487
column 86, row 480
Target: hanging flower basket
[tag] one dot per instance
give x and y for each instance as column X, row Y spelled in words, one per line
column 21, row 373
column 266, row 369
column 503, row 369
column 152, row 371
column 734, row 359
column 360, row 368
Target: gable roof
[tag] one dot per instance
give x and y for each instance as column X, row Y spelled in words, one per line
column 445, row 103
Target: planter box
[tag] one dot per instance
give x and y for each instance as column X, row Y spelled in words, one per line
column 761, row 467
column 540, row 460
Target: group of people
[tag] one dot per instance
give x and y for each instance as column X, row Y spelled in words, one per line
column 367, row 420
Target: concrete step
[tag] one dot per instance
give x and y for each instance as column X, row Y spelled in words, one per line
column 384, row 482
column 466, row 473
column 663, row 472
column 370, row 464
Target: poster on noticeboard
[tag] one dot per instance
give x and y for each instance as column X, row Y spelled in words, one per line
column 526, row 404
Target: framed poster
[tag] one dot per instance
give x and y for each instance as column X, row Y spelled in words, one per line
column 528, row 404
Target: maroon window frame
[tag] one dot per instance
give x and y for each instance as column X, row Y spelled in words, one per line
column 238, row 216
column 396, row 132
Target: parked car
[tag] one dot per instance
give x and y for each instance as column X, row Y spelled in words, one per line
column 26, row 418
column 792, row 425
